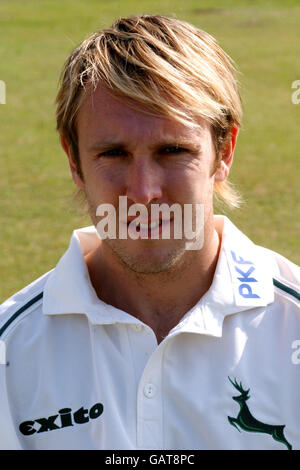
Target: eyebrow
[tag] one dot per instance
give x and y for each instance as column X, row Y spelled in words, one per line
column 167, row 142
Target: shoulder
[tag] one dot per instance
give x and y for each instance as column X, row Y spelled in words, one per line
column 18, row 306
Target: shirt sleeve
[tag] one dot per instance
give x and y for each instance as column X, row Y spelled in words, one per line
column 8, row 435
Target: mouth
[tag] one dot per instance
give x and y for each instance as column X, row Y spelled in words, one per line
column 146, row 226
column 150, row 230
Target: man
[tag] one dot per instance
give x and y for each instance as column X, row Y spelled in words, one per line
column 142, row 341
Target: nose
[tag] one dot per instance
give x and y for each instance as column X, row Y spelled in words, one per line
column 144, row 181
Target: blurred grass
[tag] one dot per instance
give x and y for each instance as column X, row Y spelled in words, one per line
column 37, row 214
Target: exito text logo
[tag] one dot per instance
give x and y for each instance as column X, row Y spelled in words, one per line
column 62, row 419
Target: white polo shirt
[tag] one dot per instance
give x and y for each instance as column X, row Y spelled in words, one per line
column 81, row 374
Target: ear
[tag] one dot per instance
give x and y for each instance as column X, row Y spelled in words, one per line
column 73, row 166
column 227, row 152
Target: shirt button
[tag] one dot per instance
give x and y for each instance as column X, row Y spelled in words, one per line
column 137, row 327
column 150, row 390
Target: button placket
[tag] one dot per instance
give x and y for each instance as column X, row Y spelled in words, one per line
column 149, row 403
column 143, row 344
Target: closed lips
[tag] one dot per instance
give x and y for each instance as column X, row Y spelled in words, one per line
column 144, row 226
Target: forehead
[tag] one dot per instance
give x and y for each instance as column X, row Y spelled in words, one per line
column 103, row 115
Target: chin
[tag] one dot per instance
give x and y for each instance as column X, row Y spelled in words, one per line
column 148, row 260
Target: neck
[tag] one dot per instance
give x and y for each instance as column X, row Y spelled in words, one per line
column 159, row 300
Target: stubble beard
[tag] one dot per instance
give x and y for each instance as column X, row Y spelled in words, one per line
column 155, row 260
column 166, row 258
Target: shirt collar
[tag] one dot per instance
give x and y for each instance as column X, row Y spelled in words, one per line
column 69, row 289
column 242, row 281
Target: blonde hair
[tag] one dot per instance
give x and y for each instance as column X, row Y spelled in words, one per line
column 166, row 65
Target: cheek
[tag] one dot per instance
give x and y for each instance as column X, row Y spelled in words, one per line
column 105, row 178
column 193, row 182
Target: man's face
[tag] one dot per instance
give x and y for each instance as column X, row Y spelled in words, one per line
column 151, row 160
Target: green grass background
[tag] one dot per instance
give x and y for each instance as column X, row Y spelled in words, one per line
column 37, row 214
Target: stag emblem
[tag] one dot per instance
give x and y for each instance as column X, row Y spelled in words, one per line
column 246, row 421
